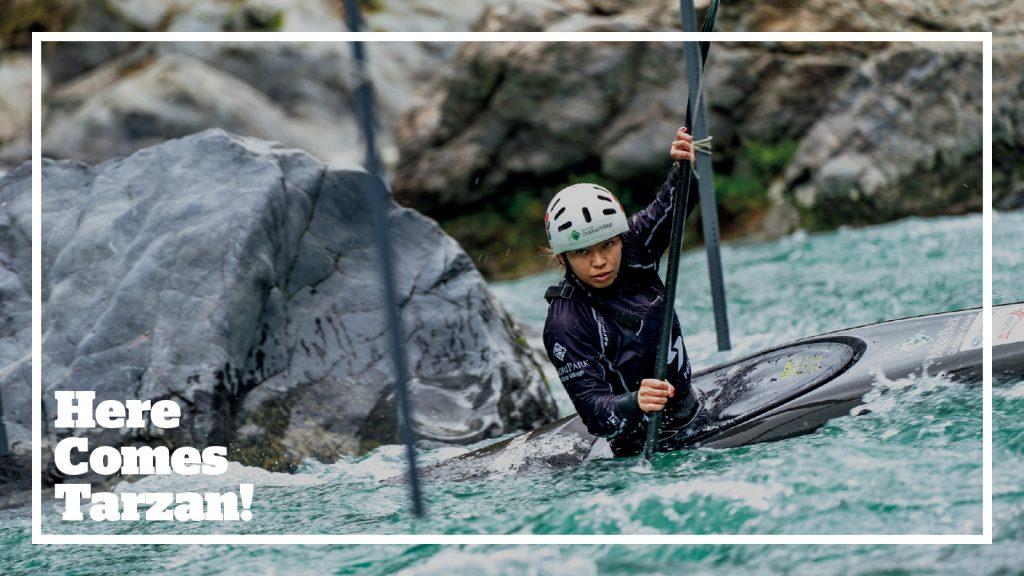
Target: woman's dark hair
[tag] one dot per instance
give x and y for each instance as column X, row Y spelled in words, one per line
column 556, row 258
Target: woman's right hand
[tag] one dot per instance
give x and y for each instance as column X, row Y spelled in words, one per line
column 653, row 394
column 682, row 147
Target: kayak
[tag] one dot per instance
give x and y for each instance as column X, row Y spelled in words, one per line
column 778, row 393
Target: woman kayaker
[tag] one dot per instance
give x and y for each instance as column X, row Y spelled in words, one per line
column 603, row 317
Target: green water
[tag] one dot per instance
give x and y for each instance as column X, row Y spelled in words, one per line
column 910, row 466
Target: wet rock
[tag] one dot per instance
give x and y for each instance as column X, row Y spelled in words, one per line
column 240, row 279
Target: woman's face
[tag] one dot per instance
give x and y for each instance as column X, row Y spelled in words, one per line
column 597, row 265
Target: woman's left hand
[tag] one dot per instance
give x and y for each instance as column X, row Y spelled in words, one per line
column 682, row 147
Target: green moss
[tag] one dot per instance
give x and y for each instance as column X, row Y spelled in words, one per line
column 770, row 157
column 267, row 450
column 756, row 164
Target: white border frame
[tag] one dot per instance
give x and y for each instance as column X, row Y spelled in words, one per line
column 985, row 38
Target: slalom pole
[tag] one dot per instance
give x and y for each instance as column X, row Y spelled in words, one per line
column 706, row 186
column 695, row 55
column 378, row 205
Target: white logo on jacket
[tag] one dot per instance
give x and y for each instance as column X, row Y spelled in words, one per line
column 677, row 353
column 559, row 351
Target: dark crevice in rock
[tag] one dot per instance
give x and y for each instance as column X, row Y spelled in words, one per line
column 318, row 190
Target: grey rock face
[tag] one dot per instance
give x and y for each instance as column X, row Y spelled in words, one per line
column 1000, row 16
column 582, row 118
column 524, row 116
column 15, row 326
column 240, row 279
column 903, row 137
column 295, row 93
column 113, row 112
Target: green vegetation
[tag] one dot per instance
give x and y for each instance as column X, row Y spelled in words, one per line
column 745, row 188
column 506, row 238
column 267, row 450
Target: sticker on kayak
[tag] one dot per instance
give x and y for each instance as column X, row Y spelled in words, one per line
column 973, row 338
column 802, row 365
column 1008, row 326
column 914, row 342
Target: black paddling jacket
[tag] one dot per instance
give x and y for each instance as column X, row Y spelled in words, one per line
column 603, row 341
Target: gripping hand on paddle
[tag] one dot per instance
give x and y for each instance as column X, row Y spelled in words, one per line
column 654, row 394
column 682, row 147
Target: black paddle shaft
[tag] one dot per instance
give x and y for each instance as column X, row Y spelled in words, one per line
column 683, row 182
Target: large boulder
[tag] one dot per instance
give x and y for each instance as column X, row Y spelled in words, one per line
column 240, row 279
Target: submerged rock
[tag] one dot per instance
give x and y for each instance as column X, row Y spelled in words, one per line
column 240, row 279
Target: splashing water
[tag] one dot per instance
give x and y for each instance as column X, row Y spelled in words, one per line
column 908, row 463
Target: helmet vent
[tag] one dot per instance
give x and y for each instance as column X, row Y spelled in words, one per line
column 605, row 198
column 586, row 214
column 559, row 213
column 608, row 211
column 565, row 226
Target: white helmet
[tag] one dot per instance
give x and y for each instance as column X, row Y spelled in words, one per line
column 583, row 215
